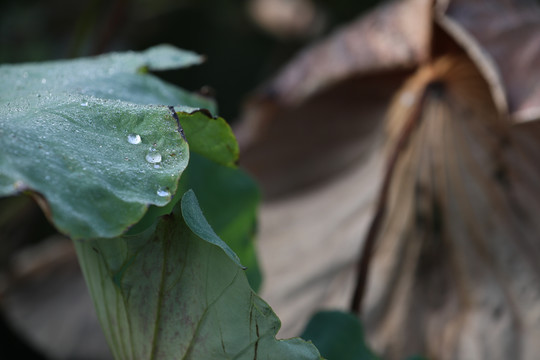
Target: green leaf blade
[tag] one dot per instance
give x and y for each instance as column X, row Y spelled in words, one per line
column 229, row 199
column 180, row 297
column 197, row 223
column 79, row 158
column 211, row 138
column 65, row 128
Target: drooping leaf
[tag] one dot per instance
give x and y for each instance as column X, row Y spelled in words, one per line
column 310, row 138
column 508, row 32
column 229, row 199
column 81, row 136
column 455, row 271
column 197, row 223
column 455, row 246
column 167, row 293
column 338, row 336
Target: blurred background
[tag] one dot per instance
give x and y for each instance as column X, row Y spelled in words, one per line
column 46, row 311
column 245, row 41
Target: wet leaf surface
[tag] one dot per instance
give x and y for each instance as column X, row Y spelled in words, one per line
column 79, row 135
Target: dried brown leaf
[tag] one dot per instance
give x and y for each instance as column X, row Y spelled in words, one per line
column 509, row 34
column 454, row 273
column 309, row 137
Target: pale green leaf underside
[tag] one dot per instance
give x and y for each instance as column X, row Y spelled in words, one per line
column 64, row 134
column 195, row 220
column 221, row 187
column 168, row 294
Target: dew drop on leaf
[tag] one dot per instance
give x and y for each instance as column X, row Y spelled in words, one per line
column 153, row 157
column 163, row 192
column 134, row 139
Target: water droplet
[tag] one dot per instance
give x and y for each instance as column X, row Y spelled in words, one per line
column 163, row 192
column 153, row 157
column 84, row 103
column 134, row 139
column 156, row 166
column 43, row 81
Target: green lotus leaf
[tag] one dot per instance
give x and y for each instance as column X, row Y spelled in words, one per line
column 221, row 187
column 82, row 136
column 174, row 293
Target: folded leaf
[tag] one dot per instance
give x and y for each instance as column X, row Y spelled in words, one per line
column 508, row 32
column 454, row 269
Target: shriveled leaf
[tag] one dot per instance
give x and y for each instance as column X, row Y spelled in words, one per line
column 509, row 32
column 454, row 267
column 424, row 295
column 76, row 134
column 393, row 36
column 170, row 294
column 310, row 138
column 315, row 111
column 338, row 336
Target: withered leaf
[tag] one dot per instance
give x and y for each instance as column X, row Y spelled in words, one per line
column 312, row 147
column 453, row 271
column 509, row 33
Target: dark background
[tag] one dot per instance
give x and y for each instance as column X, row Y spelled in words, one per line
column 240, row 52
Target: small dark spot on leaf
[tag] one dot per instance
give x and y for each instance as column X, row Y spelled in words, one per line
column 96, row 250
